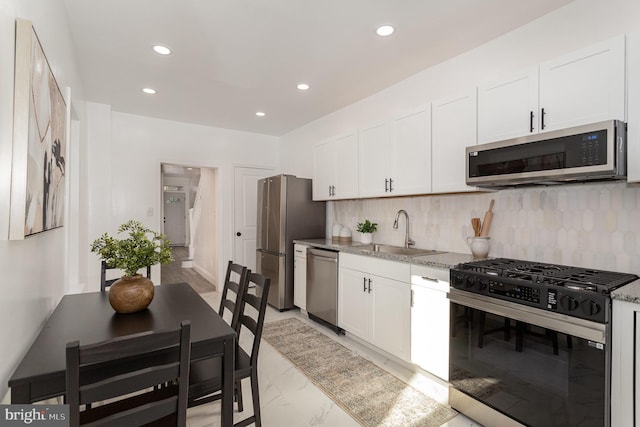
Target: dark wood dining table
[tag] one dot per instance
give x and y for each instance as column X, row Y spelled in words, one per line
column 89, row 318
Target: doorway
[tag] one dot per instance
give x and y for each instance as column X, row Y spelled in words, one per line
column 189, row 221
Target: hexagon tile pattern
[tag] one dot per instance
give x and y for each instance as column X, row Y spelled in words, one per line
column 585, row 225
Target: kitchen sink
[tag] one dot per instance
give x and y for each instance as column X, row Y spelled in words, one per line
column 398, row 250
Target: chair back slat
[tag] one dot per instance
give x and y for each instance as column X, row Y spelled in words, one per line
column 250, row 323
column 139, row 416
column 129, row 345
column 136, row 363
column 253, row 320
column 128, row 383
column 235, row 282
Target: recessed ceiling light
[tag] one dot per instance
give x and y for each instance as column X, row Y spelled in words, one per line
column 303, row 86
column 385, row 30
column 261, row 114
column 162, row 50
column 149, row 90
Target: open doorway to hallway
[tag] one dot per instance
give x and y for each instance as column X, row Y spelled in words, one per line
column 189, row 214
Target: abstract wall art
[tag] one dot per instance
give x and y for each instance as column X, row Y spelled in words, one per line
column 39, row 140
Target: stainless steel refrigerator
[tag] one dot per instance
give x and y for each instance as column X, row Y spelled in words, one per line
column 285, row 212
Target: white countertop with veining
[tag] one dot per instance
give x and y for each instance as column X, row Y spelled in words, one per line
column 628, row 293
column 437, row 260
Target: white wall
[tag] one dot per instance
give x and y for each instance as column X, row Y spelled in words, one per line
column 574, row 26
column 33, row 270
column 125, row 152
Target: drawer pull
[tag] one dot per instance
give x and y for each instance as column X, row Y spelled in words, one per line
column 430, row 279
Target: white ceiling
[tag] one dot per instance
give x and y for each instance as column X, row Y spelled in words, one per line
column 232, row 58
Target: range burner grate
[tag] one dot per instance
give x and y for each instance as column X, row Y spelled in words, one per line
column 576, row 278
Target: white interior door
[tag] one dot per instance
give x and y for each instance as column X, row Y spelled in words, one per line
column 175, row 217
column 245, row 214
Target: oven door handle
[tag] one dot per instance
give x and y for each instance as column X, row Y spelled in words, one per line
column 574, row 326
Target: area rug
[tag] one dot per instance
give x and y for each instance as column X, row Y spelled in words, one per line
column 371, row 395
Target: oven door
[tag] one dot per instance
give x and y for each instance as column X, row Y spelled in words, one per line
column 535, row 367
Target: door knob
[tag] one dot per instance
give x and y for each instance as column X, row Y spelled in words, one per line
column 238, row 234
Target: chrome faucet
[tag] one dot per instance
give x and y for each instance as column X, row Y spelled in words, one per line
column 407, row 240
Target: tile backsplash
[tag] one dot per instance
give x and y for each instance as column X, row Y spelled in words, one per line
column 585, row 225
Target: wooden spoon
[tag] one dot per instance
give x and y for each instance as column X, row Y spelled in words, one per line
column 475, row 223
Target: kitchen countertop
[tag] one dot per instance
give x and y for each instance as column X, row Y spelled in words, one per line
column 628, row 293
column 438, row 260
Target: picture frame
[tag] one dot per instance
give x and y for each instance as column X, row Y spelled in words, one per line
column 38, row 169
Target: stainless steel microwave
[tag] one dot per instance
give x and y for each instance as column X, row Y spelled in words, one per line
column 583, row 153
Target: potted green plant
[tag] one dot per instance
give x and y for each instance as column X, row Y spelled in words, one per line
column 367, row 228
column 144, row 247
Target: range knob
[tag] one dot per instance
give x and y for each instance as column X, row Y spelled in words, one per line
column 459, row 279
column 484, row 284
column 471, row 281
column 568, row 303
column 590, row 308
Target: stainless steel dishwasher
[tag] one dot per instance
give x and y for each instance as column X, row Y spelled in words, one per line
column 322, row 287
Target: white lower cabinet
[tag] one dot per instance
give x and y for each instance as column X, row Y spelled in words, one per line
column 374, row 299
column 430, row 319
column 300, row 276
column 354, row 308
column 625, row 363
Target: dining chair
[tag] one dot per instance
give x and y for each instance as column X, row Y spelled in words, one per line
column 235, row 282
column 104, row 283
column 205, row 379
column 122, row 373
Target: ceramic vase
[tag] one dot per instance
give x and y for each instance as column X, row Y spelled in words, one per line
column 131, row 294
column 479, row 246
column 366, row 238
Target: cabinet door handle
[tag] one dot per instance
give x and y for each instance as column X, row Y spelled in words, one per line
column 369, row 285
column 364, row 284
column 531, row 121
column 386, row 185
column 390, row 185
column 542, row 113
column 411, row 297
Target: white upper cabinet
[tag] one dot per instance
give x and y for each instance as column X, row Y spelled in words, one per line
column 335, row 164
column 346, row 186
column 374, row 145
column 585, row 86
column 453, row 128
column 633, row 105
column 508, row 108
column 410, row 156
column 324, row 170
column 395, row 155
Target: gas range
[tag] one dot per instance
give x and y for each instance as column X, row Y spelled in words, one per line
column 572, row 291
